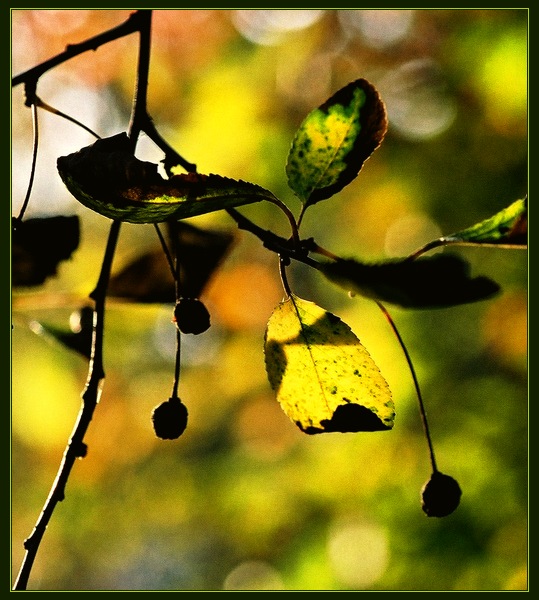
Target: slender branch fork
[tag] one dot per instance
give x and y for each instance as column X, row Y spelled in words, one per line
column 76, row 448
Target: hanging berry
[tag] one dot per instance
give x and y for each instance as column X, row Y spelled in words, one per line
column 170, row 419
column 191, row 316
column 440, row 495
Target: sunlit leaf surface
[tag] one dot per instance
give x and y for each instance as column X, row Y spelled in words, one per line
column 509, row 227
column 324, row 378
column 335, row 140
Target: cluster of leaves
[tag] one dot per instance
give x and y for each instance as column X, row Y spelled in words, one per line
column 324, row 378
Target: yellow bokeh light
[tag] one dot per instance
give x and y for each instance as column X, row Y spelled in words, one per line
column 47, row 394
column 504, row 83
column 359, row 552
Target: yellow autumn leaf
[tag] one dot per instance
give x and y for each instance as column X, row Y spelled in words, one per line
column 324, row 378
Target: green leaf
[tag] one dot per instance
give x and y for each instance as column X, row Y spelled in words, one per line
column 325, row 379
column 437, row 281
column 507, row 228
column 107, row 178
column 334, row 141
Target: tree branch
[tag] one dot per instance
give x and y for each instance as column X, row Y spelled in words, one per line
column 284, row 247
column 133, row 23
column 76, row 448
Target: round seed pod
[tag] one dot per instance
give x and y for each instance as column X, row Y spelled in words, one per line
column 169, row 419
column 440, row 495
column 191, row 316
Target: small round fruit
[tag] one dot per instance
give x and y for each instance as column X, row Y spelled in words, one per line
column 440, row 495
column 169, row 419
column 191, row 316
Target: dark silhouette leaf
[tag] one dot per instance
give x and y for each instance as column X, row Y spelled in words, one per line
column 107, row 178
column 145, row 279
column 149, row 279
column 334, row 141
column 79, row 335
column 437, row 281
column 39, row 245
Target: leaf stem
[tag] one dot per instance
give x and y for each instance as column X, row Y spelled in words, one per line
column 283, row 263
column 430, row 246
column 416, row 383
column 301, row 214
column 290, row 217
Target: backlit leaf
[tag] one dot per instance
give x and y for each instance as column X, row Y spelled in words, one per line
column 324, row 378
column 436, row 281
column 107, row 178
column 334, row 141
column 507, row 228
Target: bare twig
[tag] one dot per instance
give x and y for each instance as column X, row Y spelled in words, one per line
column 34, row 160
column 172, row 158
column 132, row 24
column 76, row 448
column 43, row 105
column 282, row 246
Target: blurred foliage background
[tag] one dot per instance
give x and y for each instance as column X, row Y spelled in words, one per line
column 244, row 500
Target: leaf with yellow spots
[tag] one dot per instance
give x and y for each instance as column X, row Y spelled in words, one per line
column 508, row 228
column 325, row 379
column 334, row 140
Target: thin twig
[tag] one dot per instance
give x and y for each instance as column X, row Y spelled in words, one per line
column 172, row 158
column 35, row 123
column 274, row 242
column 40, row 104
column 166, row 251
column 422, row 410
column 76, row 447
column 132, row 24
column 173, row 229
